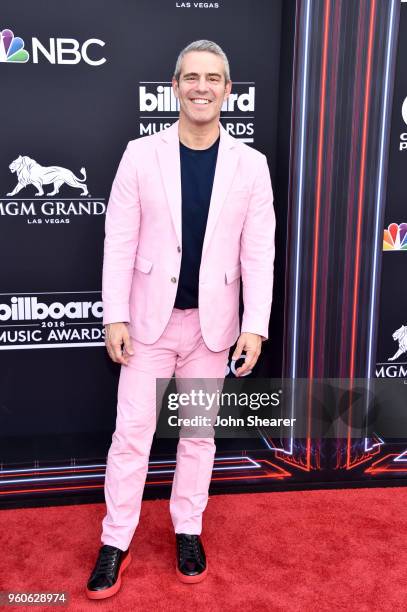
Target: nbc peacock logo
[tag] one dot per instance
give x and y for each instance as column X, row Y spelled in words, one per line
column 395, row 237
column 12, row 48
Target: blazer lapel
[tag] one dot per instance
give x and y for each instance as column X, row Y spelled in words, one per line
column 169, row 162
column 226, row 167
column 170, row 166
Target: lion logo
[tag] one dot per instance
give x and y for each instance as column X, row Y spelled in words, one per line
column 400, row 335
column 29, row 172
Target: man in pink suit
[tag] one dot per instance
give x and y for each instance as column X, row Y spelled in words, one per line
column 190, row 213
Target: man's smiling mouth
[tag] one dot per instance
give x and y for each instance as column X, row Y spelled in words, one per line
column 200, row 101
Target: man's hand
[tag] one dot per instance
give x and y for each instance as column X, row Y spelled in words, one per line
column 117, row 334
column 251, row 344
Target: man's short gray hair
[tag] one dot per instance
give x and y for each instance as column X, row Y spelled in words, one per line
column 202, row 45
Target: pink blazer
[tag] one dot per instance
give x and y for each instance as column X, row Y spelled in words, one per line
column 142, row 248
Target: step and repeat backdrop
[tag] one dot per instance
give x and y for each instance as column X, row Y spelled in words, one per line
column 80, row 84
column 77, row 86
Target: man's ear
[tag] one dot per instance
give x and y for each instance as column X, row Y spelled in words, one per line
column 174, row 83
column 228, row 89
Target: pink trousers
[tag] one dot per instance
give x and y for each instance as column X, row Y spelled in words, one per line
column 180, row 349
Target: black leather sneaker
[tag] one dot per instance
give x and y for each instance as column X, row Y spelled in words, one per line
column 105, row 580
column 191, row 560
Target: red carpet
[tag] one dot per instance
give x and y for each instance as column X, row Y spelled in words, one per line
column 304, row 550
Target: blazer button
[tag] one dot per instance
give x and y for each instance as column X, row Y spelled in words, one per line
column 179, row 249
column 173, row 279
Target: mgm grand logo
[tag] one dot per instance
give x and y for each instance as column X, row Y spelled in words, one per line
column 398, row 369
column 51, row 320
column 48, row 207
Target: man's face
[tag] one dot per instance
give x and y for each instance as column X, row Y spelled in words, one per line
column 201, row 89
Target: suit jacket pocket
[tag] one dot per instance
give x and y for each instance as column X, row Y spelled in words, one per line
column 142, row 264
column 232, row 274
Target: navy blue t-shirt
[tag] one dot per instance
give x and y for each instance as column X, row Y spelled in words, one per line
column 197, row 173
